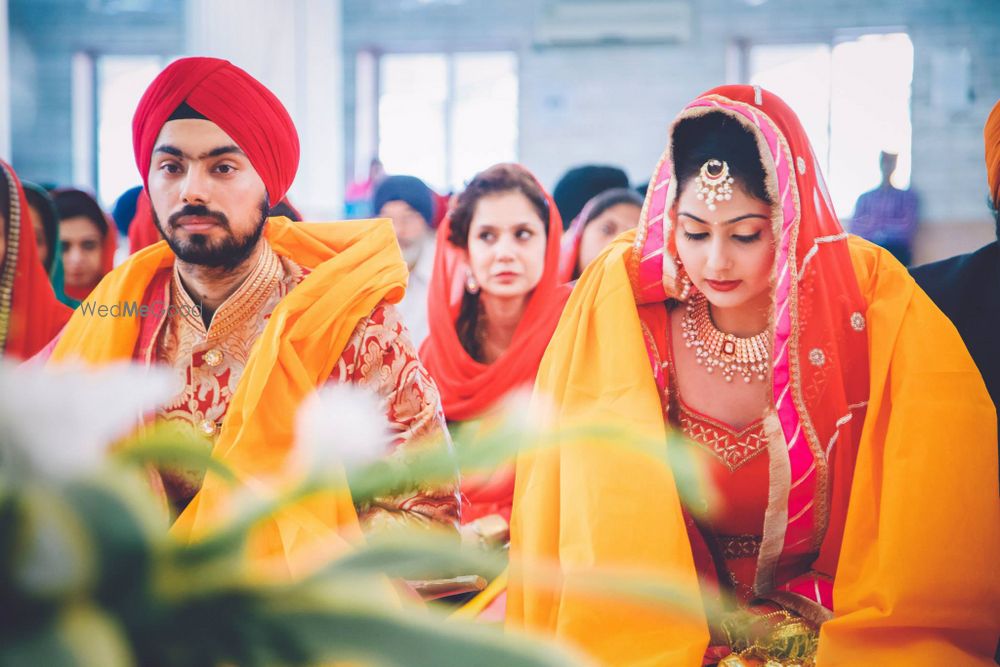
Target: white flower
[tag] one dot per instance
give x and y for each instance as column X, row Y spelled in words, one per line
column 63, row 420
column 341, row 424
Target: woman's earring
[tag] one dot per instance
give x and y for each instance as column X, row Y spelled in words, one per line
column 471, row 286
column 685, row 283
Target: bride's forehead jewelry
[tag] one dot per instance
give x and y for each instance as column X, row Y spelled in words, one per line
column 714, row 183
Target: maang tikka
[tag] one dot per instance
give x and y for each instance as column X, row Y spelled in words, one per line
column 714, row 183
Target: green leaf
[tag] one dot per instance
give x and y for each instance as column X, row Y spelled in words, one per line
column 316, row 626
column 52, row 556
column 413, row 555
column 121, row 518
column 193, row 627
column 36, row 646
column 81, row 636
column 93, row 638
column 173, row 444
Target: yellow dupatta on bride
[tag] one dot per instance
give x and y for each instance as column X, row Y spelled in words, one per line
column 868, row 487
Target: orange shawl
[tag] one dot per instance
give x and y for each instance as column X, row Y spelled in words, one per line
column 869, row 379
column 31, row 314
column 355, row 266
column 468, row 387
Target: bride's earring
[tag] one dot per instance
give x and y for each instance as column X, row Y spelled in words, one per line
column 684, row 282
column 685, row 288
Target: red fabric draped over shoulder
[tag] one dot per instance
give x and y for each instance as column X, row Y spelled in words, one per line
column 468, row 387
column 31, row 314
column 142, row 231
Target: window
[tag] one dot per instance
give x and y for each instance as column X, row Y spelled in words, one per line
column 121, row 81
column 853, row 98
column 800, row 75
column 443, row 117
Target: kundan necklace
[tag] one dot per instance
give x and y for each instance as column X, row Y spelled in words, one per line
column 713, row 349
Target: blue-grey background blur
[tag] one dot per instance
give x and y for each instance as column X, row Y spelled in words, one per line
column 442, row 88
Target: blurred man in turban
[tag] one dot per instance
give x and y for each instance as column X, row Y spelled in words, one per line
column 409, row 203
column 254, row 313
column 581, row 184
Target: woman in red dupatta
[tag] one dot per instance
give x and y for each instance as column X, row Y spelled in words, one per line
column 505, row 216
column 457, row 352
column 604, row 217
column 840, row 520
column 82, row 221
column 30, row 314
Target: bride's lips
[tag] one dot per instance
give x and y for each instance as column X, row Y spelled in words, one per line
column 505, row 276
column 723, row 285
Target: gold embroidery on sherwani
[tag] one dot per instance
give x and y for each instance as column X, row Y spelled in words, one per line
column 210, row 361
column 379, row 354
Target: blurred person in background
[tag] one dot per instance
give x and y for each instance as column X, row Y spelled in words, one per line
column 603, row 218
column 45, row 220
column 358, row 194
column 123, row 211
column 441, row 203
column 409, row 203
column 967, row 287
column 30, row 314
column 89, row 241
column 581, row 184
column 888, row 216
column 142, row 231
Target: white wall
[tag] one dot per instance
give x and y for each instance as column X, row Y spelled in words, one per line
column 294, row 48
column 599, row 104
column 5, row 106
column 612, row 102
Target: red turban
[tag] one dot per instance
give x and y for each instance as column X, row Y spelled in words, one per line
column 991, row 133
column 232, row 99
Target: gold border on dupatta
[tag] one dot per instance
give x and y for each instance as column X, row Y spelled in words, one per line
column 650, row 342
column 635, row 259
column 808, row 609
column 12, row 253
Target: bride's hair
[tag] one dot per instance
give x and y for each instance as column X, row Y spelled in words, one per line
column 716, row 135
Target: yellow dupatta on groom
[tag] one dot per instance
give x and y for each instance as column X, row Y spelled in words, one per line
column 354, row 266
